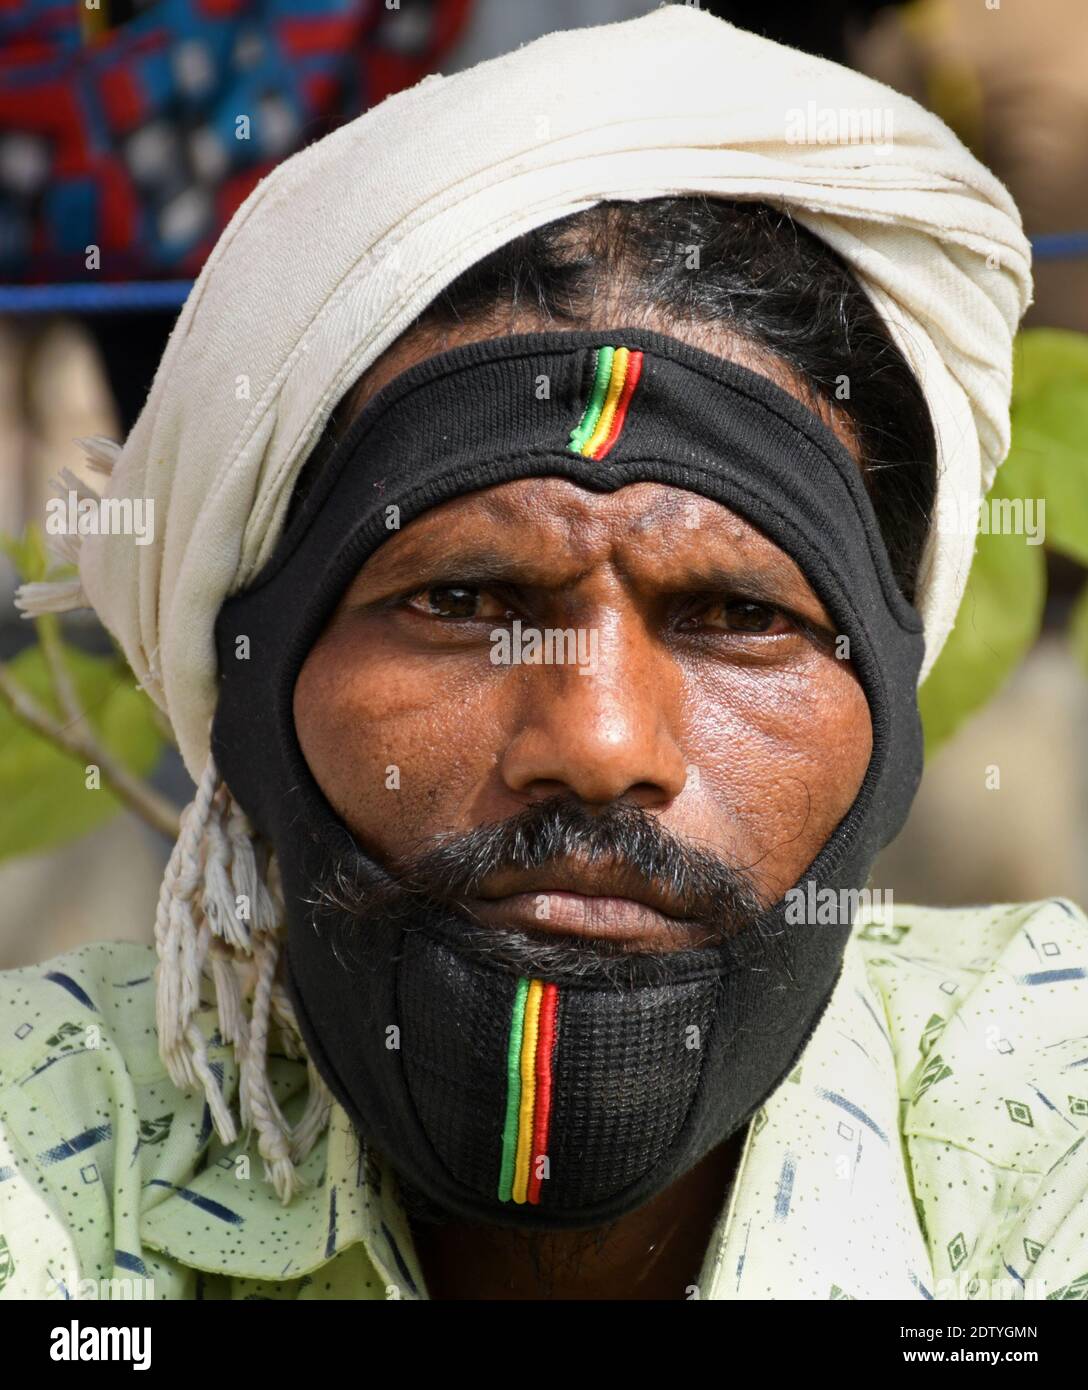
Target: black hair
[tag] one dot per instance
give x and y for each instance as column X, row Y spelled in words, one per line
column 720, row 268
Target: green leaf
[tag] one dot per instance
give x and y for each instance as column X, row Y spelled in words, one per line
column 1043, row 356
column 1058, row 471
column 27, row 553
column 1048, row 462
column 1050, row 433
column 44, row 799
column 998, row 621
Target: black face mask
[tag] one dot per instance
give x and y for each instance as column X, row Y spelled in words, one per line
column 563, row 1090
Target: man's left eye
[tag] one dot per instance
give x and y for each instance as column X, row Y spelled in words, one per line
column 745, row 616
column 458, row 602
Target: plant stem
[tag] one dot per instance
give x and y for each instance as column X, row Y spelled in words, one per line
column 50, row 641
column 148, row 804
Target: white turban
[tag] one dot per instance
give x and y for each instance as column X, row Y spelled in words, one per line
column 341, row 247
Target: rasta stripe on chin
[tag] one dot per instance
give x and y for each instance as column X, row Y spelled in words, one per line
column 615, row 376
column 545, row 1052
column 526, row 1106
column 513, row 1094
column 530, row 1050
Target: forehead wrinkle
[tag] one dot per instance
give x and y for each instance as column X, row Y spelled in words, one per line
column 517, row 555
column 727, row 552
column 716, row 523
column 665, row 505
column 557, row 505
column 526, row 532
column 565, row 526
column 771, row 575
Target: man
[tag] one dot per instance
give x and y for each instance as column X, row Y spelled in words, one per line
column 548, row 703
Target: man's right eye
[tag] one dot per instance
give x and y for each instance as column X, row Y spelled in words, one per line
column 458, row 603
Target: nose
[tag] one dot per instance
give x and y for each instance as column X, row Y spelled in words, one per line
column 603, row 735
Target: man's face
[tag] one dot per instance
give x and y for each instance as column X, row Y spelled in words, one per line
column 716, row 701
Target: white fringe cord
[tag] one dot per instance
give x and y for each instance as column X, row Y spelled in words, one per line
column 101, row 453
column 64, row 595
column 218, row 876
column 220, row 916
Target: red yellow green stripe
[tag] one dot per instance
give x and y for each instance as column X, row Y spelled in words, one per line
column 513, row 1093
column 523, row 1152
column 545, row 1050
column 530, row 1049
column 616, row 374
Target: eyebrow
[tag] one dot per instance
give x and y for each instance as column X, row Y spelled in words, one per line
column 776, row 580
column 772, row 578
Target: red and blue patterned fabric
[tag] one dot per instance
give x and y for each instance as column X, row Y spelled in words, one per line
column 139, row 128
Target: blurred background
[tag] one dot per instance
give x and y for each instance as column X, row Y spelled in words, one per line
column 119, row 128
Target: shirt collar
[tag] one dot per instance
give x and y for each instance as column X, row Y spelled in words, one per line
column 822, row 1205
column 225, row 1218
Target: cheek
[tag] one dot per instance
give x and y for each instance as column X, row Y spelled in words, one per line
column 398, row 747
column 402, row 748
column 782, row 754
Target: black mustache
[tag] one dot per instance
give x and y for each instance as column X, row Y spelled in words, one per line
column 441, row 873
column 630, row 839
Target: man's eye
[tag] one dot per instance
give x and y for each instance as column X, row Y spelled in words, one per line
column 744, row 616
column 457, row 602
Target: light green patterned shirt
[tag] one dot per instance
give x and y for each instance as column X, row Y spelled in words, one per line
column 929, row 1144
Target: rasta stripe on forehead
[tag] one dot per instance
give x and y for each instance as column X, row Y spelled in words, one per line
column 615, row 376
column 528, row 1090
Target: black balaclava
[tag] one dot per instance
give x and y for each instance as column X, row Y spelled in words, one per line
column 559, row 1103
